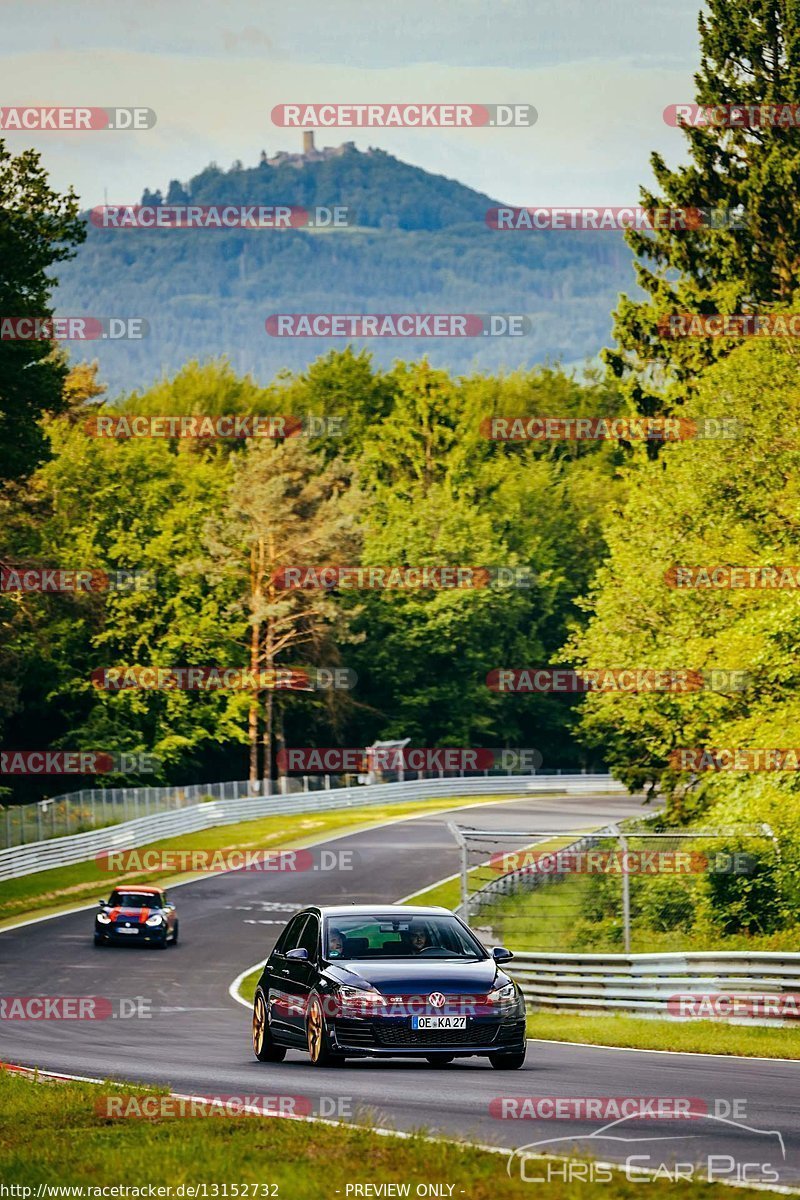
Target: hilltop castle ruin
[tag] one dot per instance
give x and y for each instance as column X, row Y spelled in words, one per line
column 309, row 154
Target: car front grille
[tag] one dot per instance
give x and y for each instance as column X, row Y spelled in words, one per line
column 402, row 1035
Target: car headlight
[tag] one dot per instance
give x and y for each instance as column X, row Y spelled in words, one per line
column 156, row 919
column 104, row 918
column 506, row 994
column 360, row 995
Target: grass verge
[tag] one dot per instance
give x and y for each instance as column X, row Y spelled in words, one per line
column 54, row 1135
column 54, row 890
column 698, row 1037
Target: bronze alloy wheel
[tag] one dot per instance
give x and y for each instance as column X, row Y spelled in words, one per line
column 317, row 1037
column 315, row 1032
column 264, row 1048
column 259, row 1022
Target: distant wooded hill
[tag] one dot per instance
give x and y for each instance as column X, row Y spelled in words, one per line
column 420, row 244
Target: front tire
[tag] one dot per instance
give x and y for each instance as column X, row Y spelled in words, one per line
column 507, row 1062
column 175, row 935
column 264, row 1048
column 318, row 1039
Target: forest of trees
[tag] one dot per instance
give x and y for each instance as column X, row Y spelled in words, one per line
column 412, row 481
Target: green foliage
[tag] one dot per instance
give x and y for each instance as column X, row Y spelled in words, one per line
column 750, row 55
column 38, row 228
column 412, row 481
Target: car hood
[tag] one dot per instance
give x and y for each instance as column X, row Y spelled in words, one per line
column 124, row 912
column 414, row 975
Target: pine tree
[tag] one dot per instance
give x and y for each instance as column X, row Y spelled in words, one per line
column 748, row 177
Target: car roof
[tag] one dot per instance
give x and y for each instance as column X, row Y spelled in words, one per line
column 135, row 887
column 400, row 910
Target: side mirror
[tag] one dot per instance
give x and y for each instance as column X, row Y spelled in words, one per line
column 299, row 955
column 500, row 954
column 102, row 903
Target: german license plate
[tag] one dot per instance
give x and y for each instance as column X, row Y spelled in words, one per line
column 123, row 930
column 439, row 1022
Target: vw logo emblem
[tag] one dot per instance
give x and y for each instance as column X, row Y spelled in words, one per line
column 436, row 1000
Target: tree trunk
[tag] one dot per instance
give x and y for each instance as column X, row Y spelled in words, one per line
column 255, row 639
column 267, row 744
column 280, row 743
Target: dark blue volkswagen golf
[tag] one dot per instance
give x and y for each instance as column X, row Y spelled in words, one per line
column 355, row 980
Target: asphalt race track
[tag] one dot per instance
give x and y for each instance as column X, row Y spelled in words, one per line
column 197, row 1039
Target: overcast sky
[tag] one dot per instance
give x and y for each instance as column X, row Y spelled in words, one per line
column 599, row 72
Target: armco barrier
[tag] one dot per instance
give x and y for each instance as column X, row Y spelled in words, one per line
column 642, row 984
column 80, row 847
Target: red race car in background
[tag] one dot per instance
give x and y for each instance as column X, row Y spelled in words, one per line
column 136, row 914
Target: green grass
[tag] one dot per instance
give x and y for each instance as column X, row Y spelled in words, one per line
column 448, row 893
column 583, row 913
column 247, row 988
column 703, row 1037
column 64, row 886
column 52, row 1134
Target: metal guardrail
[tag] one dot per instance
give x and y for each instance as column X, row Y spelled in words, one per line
column 643, row 984
column 128, row 835
column 95, row 808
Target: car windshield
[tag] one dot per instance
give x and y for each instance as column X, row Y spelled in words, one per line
column 135, row 899
column 389, row 936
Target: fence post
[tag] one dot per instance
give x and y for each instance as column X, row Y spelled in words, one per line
column 626, row 889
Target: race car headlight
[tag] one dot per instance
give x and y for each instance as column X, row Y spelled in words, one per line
column 355, row 995
column 104, row 918
column 156, row 919
column 506, row 994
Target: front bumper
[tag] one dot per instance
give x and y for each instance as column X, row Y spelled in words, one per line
column 133, row 934
column 393, row 1037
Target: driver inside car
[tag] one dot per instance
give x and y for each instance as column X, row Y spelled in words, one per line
column 419, row 939
column 335, row 944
